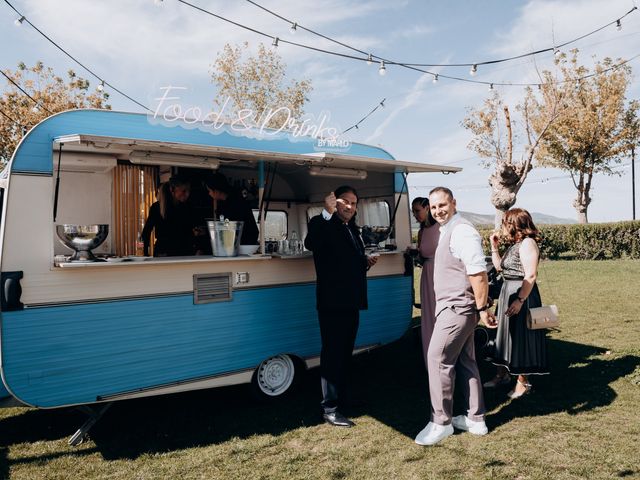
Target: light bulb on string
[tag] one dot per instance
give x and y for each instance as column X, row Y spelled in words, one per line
column 435, row 78
column 618, row 25
column 275, row 42
column 474, row 70
column 369, row 60
column 491, row 87
column 382, row 103
column 101, row 86
column 18, row 21
column 35, row 108
column 556, row 51
column 382, row 70
column 294, row 28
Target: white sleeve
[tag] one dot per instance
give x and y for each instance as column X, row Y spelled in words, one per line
column 326, row 215
column 466, row 245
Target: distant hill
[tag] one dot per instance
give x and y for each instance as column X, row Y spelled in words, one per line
column 538, row 219
column 482, row 219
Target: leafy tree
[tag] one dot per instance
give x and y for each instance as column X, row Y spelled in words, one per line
column 497, row 135
column 589, row 136
column 257, row 83
column 53, row 94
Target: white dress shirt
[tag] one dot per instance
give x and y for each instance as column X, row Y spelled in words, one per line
column 465, row 245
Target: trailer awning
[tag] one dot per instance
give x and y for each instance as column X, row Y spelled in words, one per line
column 197, row 156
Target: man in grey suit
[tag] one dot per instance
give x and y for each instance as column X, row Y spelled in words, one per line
column 461, row 288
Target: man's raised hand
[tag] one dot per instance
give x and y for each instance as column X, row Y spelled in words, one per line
column 330, row 203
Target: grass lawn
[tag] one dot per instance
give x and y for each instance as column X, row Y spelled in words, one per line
column 581, row 421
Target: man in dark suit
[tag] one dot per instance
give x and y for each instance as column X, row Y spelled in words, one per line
column 341, row 292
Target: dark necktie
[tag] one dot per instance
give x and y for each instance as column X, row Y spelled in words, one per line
column 354, row 241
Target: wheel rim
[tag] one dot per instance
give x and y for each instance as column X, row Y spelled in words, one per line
column 275, row 375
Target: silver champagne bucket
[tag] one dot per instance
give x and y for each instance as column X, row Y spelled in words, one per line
column 82, row 239
column 225, row 237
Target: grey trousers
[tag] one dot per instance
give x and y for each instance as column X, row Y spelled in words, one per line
column 452, row 351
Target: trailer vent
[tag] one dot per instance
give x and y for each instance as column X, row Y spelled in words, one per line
column 212, row 287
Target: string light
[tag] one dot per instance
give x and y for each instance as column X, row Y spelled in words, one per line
column 382, row 70
column 369, row 60
column 474, row 70
column 490, row 87
column 556, row 52
column 435, row 78
column 294, row 28
column 618, row 25
column 101, row 86
column 275, row 42
column 17, row 85
column 408, row 64
column 365, row 54
column 356, row 125
column 35, row 108
column 18, row 21
column 52, row 42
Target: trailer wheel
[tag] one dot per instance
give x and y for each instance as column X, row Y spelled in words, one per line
column 274, row 376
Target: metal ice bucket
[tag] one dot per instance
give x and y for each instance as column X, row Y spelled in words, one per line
column 225, row 237
column 82, row 239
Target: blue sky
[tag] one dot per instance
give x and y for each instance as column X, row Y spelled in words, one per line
column 140, row 47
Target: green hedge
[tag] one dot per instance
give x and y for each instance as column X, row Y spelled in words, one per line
column 586, row 242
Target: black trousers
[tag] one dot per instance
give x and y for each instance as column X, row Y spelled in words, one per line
column 338, row 329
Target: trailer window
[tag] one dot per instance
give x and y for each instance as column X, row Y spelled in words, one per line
column 370, row 212
column 373, row 212
column 276, row 224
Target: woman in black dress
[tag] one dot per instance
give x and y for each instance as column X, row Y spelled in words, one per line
column 173, row 220
column 519, row 351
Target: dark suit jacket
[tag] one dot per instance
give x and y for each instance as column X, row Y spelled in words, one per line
column 341, row 266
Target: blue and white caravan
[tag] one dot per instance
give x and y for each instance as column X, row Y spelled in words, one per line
column 92, row 332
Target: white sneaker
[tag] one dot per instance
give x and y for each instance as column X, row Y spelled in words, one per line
column 433, row 433
column 462, row 422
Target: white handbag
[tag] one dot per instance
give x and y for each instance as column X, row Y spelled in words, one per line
column 545, row 316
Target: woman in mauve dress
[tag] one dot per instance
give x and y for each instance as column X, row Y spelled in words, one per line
column 428, row 236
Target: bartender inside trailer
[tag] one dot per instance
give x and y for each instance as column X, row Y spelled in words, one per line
column 173, row 219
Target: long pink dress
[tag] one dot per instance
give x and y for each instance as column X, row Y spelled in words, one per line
column 428, row 243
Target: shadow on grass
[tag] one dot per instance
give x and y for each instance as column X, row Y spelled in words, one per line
column 391, row 380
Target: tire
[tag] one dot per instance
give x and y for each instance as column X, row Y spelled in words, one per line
column 274, row 377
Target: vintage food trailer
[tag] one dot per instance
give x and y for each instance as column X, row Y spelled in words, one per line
column 92, row 332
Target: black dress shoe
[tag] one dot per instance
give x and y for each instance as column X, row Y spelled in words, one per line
column 337, row 419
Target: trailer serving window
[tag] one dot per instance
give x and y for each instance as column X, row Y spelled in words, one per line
column 275, row 224
column 371, row 212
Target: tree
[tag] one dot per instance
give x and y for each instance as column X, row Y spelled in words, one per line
column 53, row 94
column 257, row 83
column 588, row 138
column 497, row 135
column 632, row 139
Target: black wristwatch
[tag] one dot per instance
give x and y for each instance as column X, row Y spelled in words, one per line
column 482, row 309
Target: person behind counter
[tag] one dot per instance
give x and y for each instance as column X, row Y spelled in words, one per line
column 230, row 204
column 173, row 220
